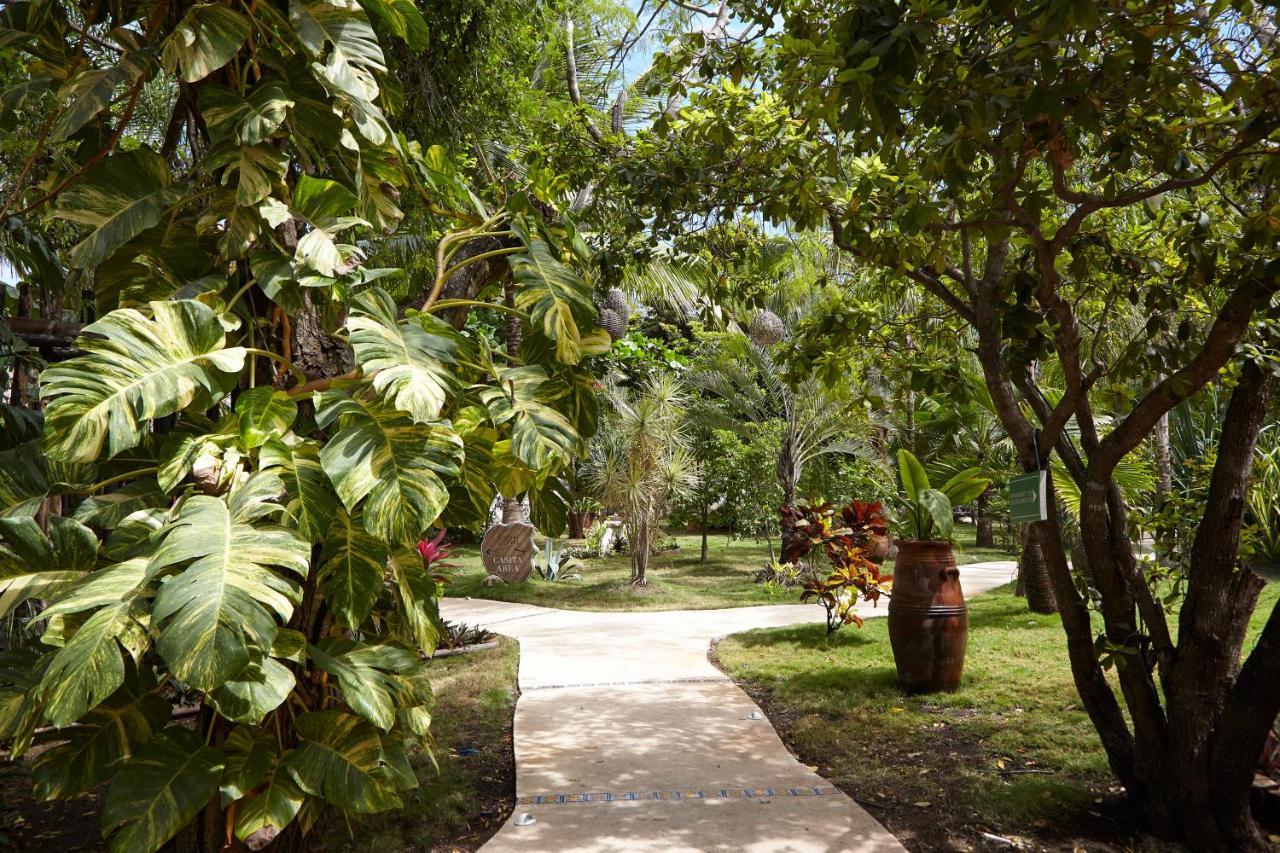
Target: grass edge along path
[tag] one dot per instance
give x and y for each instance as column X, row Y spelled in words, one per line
column 462, row 803
column 1011, row 753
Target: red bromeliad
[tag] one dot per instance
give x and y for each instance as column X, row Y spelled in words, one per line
column 434, row 552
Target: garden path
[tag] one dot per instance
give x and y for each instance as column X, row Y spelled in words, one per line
column 628, row 739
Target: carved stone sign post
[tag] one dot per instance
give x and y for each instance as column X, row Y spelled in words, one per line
column 507, row 551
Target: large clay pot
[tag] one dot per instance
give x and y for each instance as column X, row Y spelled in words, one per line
column 928, row 620
column 878, row 549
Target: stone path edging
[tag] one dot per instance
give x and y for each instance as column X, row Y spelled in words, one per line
column 623, row 717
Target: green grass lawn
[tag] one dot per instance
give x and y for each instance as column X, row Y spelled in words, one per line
column 461, row 802
column 677, row 581
column 1010, row 753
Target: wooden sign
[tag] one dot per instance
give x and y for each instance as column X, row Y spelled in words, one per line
column 507, row 551
column 1028, row 497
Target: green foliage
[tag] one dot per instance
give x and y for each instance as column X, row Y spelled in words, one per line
column 642, row 461
column 926, row 510
column 1262, row 537
column 255, row 433
column 556, row 565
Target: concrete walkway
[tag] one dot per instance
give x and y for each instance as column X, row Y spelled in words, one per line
column 627, row 739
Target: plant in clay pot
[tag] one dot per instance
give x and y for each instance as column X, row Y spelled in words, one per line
column 928, row 620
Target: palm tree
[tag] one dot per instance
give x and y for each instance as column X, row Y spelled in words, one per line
column 641, row 460
column 816, row 418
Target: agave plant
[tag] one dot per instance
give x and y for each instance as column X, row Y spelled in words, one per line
column 557, row 565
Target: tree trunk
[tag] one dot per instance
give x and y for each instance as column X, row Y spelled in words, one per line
column 640, row 553
column 1033, row 577
column 1218, row 713
column 18, row 393
column 986, row 537
column 1164, row 461
column 317, row 353
column 470, row 281
column 512, row 507
column 702, row 557
column 788, row 473
column 512, row 510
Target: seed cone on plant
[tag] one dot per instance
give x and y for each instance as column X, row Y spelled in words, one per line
column 765, row 328
column 613, row 323
column 616, row 301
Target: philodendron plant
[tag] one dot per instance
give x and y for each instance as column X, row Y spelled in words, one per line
column 927, row 511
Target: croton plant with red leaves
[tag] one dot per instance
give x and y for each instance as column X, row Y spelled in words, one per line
column 847, row 536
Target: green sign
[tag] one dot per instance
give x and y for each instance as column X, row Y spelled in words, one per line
column 1028, row 497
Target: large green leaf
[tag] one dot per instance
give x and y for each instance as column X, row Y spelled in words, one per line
column 206, row 39
column 21, row 707
column 540, row 436
column 319, row 23
column 20, row 426
column 33, row 567
column 112, row 585
column 103, row 739
column 351, row 69
column 342, row 761
column 274, row 805
column 132, row 537
column 193, row 436
column 256, row 169
column 376, row 680
column 557, row 299
column 311, row 504
column 218, row 612
column 264, row 413
column 401, row 18
column 417, row 616
column 323, row 204
column 408, row 358
column 118, row 199
column 250, row 120
column 251, row 752
column 254, row 775
column 24, row 479
column 935, row 503
column 965, row 486
column 912, row 474
column 89, row 668
column 160, row 790
column 106, row 511
column 549, row 506
column 135, row 368
column 257, row 691
column 352, row 567
column 380, row 457
column 91, row 90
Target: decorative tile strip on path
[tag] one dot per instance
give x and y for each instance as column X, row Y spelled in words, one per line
column 623, row 712
column 717, row 794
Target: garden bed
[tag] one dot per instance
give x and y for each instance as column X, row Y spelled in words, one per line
column 457, row 808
